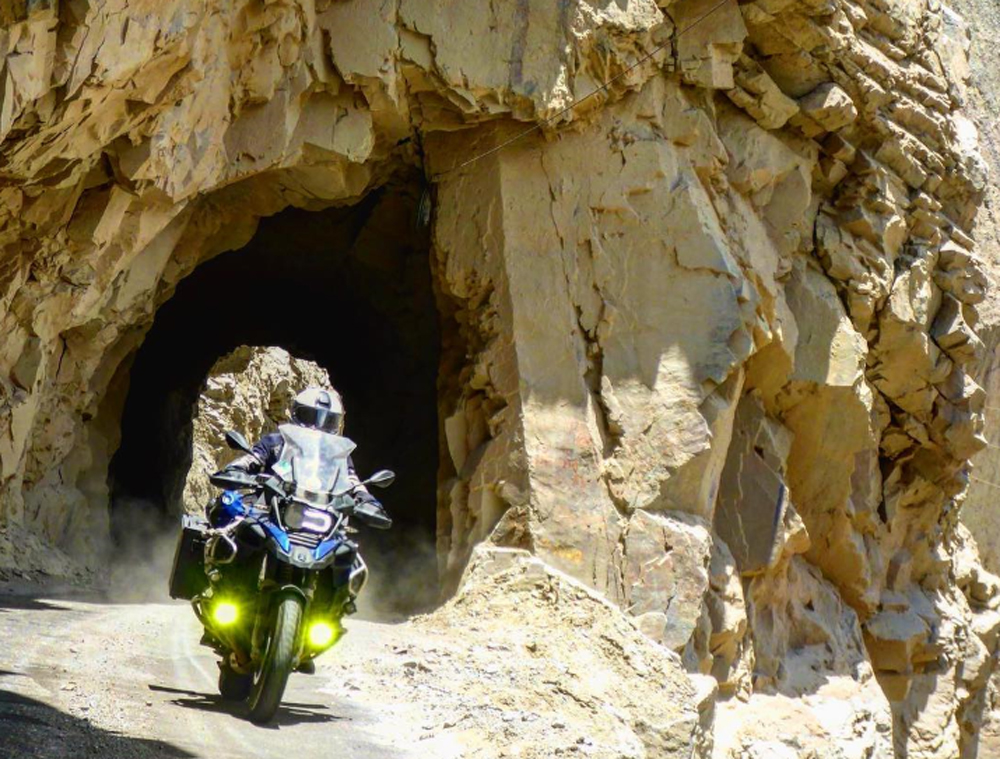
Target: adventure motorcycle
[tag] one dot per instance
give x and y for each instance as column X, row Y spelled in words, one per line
column 271, row 571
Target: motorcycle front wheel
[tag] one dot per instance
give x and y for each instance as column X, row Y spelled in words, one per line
column 271, row 675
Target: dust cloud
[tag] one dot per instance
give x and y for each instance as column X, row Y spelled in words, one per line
column 139, row 563
column 402, row 579
column 402, row 564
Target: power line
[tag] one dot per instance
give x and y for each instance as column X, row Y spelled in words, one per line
column 575, row 103
column 984, row 482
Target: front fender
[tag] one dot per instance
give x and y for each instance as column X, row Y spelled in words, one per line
column 296, row 590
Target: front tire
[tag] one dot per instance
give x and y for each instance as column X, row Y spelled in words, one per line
column 272, row 675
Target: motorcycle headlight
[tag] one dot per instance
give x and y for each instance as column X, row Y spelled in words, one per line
column 323, row 634
column 225, row 613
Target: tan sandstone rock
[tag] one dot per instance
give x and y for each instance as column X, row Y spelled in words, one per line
column 757, row 231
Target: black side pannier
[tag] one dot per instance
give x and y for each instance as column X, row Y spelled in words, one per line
column 187, row 578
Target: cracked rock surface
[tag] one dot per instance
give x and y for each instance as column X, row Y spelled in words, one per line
column 714, row 338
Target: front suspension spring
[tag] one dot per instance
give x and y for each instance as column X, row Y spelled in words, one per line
column 284, row 574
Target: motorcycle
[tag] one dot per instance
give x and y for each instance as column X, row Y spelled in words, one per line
column 272, row 570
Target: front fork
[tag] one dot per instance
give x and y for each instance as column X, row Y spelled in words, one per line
column 274, row 579
column 285, row 579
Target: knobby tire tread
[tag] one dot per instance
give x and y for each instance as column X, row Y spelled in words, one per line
column 265, row 698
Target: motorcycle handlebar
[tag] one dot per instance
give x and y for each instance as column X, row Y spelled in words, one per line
column 235, row 479
column 347, row 508
column 232, row 480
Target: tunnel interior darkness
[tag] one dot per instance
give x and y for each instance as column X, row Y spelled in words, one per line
column 349, row 288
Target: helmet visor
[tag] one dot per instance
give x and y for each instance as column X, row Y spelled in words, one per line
column 318, row 418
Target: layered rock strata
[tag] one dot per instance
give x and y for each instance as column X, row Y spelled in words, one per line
column 708, row 335
column 979, row 25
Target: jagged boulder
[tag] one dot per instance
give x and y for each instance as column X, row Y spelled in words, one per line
column 571, row 669
column 249, row 390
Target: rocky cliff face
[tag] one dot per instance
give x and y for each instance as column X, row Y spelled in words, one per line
column 979, row 22
column 979, row 92
column 706, row 340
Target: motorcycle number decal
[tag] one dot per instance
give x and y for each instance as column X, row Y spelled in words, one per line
column 316, row 521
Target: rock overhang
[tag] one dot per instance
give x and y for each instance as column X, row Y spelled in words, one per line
column 775, row 206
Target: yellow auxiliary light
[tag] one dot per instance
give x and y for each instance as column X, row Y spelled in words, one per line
column 321, row 634
column 225, row 613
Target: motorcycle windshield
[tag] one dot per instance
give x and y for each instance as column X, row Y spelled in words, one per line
column 315, row 461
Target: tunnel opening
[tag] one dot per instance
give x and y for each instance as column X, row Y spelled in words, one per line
column 349, row 288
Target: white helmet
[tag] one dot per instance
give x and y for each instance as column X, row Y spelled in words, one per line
column 319, row 409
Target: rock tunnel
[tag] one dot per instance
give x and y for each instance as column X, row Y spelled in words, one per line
column 704, row 344
column 348, row 288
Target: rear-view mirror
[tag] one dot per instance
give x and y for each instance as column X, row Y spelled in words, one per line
column 237, row 442
column 382, row 479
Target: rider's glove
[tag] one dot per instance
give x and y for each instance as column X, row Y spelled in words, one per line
column 247, row 463
column 363, row 496
column 370, row 512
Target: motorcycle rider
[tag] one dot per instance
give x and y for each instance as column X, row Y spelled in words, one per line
column 323, row 410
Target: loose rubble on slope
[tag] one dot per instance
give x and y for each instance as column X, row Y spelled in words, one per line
column 527, row 662
column 711, row 333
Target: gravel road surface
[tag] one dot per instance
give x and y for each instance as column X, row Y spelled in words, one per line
column 82, row 679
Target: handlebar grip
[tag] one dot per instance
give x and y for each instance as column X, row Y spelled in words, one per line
column 231, row 480
column 371, row 516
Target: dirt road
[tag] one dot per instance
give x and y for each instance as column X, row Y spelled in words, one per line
column 82, row 679
column 522, row 662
